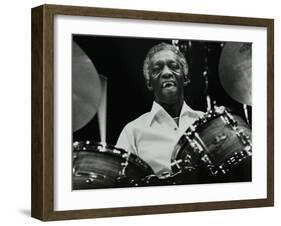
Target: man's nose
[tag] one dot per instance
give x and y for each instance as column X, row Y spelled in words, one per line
column 166, row 72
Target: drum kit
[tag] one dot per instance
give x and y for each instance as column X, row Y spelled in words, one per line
column 216, row 148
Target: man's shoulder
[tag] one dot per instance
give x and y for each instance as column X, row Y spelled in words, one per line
column 190, row 112
column 198, row 114
column 141, row 121
column 195, row 113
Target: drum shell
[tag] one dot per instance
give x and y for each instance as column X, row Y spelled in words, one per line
column 106, row 167
column 222, row 138
column 216, row 129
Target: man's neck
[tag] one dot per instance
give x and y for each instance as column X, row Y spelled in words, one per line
column 174, row 109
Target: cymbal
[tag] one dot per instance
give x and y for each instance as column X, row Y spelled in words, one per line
column 235, row 71
column 86, row 88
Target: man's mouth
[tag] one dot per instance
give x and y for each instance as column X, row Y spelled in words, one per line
column 168, row 84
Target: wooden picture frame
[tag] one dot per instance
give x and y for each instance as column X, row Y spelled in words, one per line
column 43, row 111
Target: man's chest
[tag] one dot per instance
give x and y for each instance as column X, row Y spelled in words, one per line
column 156, row 145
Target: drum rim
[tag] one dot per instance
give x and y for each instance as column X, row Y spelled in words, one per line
column 177, row 149
column 207, row 117
column 100, row 144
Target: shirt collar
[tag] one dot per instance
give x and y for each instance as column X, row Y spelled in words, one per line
column 157, row 108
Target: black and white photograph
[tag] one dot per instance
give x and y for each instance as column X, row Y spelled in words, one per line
column 160, row 112
column 140, row 112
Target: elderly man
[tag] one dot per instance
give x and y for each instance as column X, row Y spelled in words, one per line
column 154, row 134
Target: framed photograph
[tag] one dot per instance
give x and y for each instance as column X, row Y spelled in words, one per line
column 141, row 112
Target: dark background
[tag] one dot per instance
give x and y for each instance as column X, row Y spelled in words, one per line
column 120, row 59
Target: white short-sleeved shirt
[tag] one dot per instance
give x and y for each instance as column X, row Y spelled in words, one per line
column 154, row 135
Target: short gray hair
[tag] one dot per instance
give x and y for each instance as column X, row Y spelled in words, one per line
column 159, row 47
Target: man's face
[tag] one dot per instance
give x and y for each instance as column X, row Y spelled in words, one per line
column 167, row 78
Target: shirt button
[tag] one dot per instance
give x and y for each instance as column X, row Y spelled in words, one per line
column 175, row 129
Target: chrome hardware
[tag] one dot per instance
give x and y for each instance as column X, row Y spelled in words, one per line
column 92, row 176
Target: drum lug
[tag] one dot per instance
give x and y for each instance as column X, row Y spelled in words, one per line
column 102, row 148
column 124, row 164
column 236, row 158
column 123, row 170
column 248, row 149
column 209, row 165
column 219, row 109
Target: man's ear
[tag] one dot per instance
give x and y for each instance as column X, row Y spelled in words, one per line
column 149, row 85
column 185, row 80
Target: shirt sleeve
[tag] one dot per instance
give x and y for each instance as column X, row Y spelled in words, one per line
column 126, row 141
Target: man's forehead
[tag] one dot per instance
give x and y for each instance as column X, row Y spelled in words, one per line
column 164, row 55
